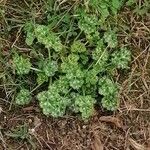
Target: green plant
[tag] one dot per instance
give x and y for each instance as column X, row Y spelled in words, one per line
column 140, row 8
column 21, row 64
column 111, row 39
column 44, row 36
column 52, row 102
column 120, row 58
column 29, row 29
column 78, row 68
column 109, row 90
column 89, row 25
column 47, row 69
column 85, row 105
column 21, row 132
column 106, row 7
column 78, row 47
column 23, row 97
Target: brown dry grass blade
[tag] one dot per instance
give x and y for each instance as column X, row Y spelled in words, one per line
column 97, row 145
column 1, row 110
column 37, row 122
column 30, row 109
column 114, row 120
column 136, row 145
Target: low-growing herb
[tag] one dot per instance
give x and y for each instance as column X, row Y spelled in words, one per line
column 21, row 64
column 78, row 68
column 23, row 97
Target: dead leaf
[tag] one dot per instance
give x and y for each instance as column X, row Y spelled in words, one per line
column 37, row 122
column 136, row 145
column 97, row 145
column 1, row 110
column 30, row 109
column 113, row 120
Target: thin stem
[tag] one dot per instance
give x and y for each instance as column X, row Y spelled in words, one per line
column 35, row 69
column 49, row 54
column 35, row 88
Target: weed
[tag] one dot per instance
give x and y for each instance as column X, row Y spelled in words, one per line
column 23, row 97
column 21, row 133
column 78, row 67
column 21, row 65
column 140, row 8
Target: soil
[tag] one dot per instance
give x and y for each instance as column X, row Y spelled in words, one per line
column 126, row 129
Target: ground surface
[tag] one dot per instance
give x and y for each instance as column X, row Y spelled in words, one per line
column 126, row 129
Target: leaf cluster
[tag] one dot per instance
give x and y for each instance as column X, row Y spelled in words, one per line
column 21, row 64
column 23, row 97
column 106, row 7
column 80, row 72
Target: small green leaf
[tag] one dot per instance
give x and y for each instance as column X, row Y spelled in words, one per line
column 100, row 54
column 85, row 105
column 91, row 77
column 121, row 58
column 110, row 38
column 47, row 37
column 107, row 86
column 52, row 103
column 110, row 102
column 116, row 5
column 109, row 90
column 48, row 67
column 61, row 85
column 78, row 47
column 130, row 2
column 41, row 78
column 23, row 97
column 88, row 23
column 29, row 29
column 21, row 64
column 76, row 83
